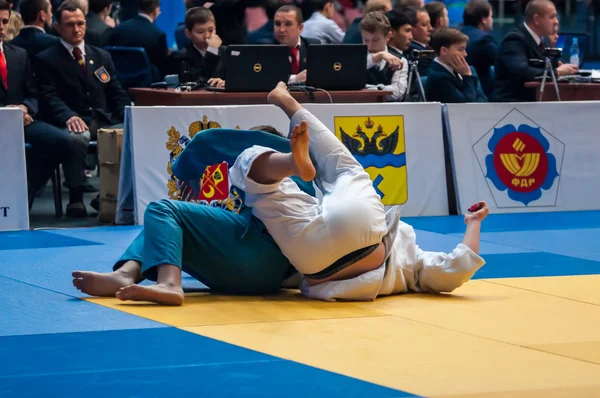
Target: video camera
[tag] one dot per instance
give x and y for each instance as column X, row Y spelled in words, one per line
column 414, row 55
column 553, row 53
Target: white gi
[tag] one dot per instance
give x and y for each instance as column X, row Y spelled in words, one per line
column 314, row 234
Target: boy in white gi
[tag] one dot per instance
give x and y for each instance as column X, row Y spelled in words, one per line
column 345, row 245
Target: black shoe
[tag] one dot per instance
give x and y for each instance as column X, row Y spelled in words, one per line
column 76, row 210
column 95, row 203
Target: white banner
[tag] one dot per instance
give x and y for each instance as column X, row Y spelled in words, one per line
column 14, row 209
column 400, row 146
column 526, row 157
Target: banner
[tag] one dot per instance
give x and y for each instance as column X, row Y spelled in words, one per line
column 14, row 209
column 399, row 145
column 532, row 157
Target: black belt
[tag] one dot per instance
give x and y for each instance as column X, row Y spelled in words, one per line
column 343, row 262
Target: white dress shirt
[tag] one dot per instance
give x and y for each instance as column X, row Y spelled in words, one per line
column 399, row 78
column 536, row 38
column 323, row 29
column 448, row 67
column 146, row 16
column 210, row 49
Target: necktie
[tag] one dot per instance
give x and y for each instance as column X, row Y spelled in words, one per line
column 542, row 46
column 79, row 58
column 3, row 70
column 295, row 61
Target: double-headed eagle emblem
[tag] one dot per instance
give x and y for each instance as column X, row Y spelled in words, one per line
column 380, row 143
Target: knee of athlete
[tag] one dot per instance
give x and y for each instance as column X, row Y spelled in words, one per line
column 159, row 209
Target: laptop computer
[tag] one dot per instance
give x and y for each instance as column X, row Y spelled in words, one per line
column 337, row 66
column 255, row 67
column 565, row 42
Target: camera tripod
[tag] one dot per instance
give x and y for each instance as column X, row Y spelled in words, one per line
column 413, row 71
column 548, row 69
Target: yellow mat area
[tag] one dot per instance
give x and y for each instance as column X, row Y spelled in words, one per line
column 498, row 338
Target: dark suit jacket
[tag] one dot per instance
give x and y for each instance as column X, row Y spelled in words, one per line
column 482, row 51
column 21, row 86
column 140, row 32
column 445, row 87
column 423, row 64
column 34, row 41
column 353, row 35
column 98, row 32
column 180, row 38
column 192, row 66
column 513, row 67
column 65, row 92
column 262, row 35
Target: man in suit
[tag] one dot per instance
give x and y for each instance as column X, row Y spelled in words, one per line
column 421, row 31
column 37, row 17
column 264, row 34
column 450, row 79
column 77, row 82
column 140, row 31
column 288, row 24
column 51, row 146
column 482, row 49
column 525, row 43
column 98, row 32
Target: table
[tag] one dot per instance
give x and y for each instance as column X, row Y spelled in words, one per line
column 568, row 91
column 170, row 97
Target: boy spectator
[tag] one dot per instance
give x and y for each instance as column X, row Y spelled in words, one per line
column 383, row 68
column 450, row 78
column 203, row 58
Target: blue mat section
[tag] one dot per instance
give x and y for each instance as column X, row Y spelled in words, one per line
column 521, row 265
column 31, row 310
column 160, row 363
column 431, row 241
column 38, row 239
column 581, row 243
column 120, row 237
column 51, row 268
column 511, row 222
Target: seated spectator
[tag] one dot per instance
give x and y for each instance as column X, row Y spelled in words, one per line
column 98, row 31
column 15, row 24
column 264, row 34
column 140, row 31
column 483, row 47
column 288, row 27
column 78, row 88
column 401, row 25
column 320, row 25
column 438, row 14
column 51, row 146
column 37, row 16
column 513, row 68
column 410, row 3
column 353, row 35
column 204, row 57
column 383, row 68
column 450, row 79
column 421, row 31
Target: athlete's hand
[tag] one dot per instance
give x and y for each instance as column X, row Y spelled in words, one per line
column 478, row 215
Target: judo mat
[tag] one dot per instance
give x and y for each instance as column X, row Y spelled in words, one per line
column 527, row 326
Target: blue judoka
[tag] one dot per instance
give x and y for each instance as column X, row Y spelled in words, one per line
column 228, row 251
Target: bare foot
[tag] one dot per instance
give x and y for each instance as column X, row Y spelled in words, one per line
column 165, row 294
column 276, row 95
column 299, row 142
column 101, row 284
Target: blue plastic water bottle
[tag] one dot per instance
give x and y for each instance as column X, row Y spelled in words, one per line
column 575, row 52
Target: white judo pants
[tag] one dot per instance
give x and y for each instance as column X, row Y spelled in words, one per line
column 314, row 234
